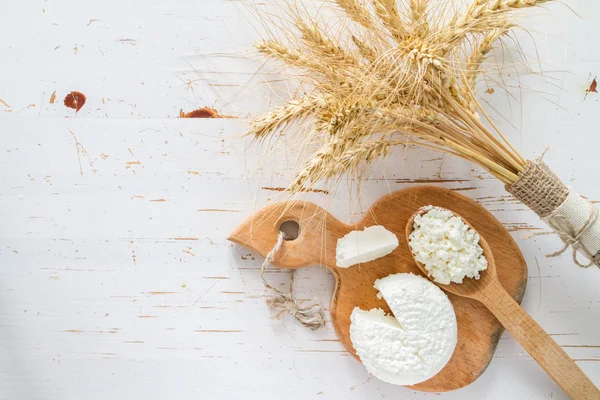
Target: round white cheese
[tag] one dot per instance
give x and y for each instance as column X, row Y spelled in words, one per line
column 413, row 345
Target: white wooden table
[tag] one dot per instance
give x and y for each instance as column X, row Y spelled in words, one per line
column 116, row 280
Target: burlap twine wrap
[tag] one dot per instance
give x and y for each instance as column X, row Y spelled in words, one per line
column 570, row 216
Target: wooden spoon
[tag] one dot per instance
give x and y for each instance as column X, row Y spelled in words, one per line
column 524, row 329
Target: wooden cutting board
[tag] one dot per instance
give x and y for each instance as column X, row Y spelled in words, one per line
column 478, row 329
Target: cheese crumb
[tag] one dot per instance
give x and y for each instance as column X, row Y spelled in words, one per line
column 359, row 247
column 447, row 247
column 413, row 345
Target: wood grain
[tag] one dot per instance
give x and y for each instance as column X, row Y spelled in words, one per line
column 478, row 330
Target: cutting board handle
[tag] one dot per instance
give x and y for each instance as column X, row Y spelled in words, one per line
column 259, row 233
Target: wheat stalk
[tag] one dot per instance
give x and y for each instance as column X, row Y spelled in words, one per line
column 404, row 80
column 357, row 12
column 419, row 17
column 293, row 110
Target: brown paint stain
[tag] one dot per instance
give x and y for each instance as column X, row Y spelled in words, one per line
column 593, row 87
column 515, row 227
column 225, row 292
column 160, row 293
column 91, row 21
column 133, row 163
column 74, row 331
column 75, row 49
column 104, row 156
column 204, row 112
column 57, row 47
column 158, row 200
column 214, row 356
column 53, row 97
column 430, row 180
column 321, row 351
column 77, row 144
column 189, row 251
column 147, row 316
column 490, row 91
column 352, row 388
column 133, row 257
column 193, row 172
column 185, row 238
column 279, row 189
column 75, row 100
column 4, row 103
column 132, row 42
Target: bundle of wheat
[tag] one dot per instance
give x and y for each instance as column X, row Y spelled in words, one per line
column 404, row 73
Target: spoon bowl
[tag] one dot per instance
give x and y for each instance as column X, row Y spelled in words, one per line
column 470, row 287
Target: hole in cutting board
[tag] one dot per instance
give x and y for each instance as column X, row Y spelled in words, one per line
column 290, row 229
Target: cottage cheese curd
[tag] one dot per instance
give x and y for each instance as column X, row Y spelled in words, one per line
column 447, row 247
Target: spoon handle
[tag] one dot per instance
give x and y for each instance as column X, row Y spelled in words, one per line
column 538, row 343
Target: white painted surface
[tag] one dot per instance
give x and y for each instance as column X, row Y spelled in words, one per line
column 116, row 280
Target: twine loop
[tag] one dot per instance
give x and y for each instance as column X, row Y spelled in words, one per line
column 571, row 238
column 311, row 315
